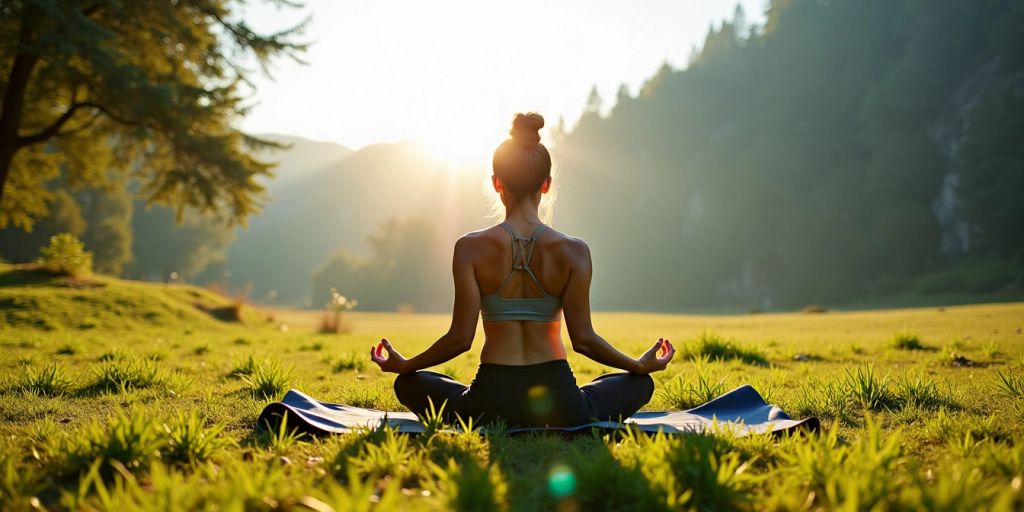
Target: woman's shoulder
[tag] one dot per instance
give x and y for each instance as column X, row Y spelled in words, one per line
column 565, row 241
column 496, row 233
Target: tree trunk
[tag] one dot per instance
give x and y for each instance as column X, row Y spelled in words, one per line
column 14, row 97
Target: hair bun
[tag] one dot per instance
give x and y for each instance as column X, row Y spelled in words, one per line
column 526, row 127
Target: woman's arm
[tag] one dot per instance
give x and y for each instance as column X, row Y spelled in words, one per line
column 459, row 337
column 576, row 309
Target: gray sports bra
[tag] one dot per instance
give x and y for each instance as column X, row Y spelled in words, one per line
column 494, row 308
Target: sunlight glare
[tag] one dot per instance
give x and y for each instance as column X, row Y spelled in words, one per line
column 463, row 144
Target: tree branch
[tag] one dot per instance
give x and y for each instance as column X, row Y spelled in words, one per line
column 54, row 128
column 82, row 127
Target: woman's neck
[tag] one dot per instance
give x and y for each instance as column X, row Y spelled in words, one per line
column 523, row 213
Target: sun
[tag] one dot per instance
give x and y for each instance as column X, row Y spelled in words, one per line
column 464, row 145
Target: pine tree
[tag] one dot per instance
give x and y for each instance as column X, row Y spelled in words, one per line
column 148, row 85
column 594, row 102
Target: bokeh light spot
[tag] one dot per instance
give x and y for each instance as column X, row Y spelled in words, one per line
column 539, row 400
column 561, row 481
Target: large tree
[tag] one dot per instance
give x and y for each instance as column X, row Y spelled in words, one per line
column 147, row 86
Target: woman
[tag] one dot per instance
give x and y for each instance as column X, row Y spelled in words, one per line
column 520, row 275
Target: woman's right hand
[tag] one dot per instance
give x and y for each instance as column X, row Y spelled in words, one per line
column 656, row 358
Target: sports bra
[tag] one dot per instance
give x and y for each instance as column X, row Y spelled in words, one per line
column 494, row 308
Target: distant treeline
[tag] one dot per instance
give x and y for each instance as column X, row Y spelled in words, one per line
column 846, row 149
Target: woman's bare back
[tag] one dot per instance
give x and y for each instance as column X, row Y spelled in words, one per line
column 519, row 342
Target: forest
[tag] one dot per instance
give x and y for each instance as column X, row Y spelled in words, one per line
column 842, row 152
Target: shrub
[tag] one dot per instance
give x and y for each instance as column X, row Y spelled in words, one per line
column 66, row 256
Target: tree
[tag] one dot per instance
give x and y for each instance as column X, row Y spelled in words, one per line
column 594, row 102
column 108, row 214
column 150, row 86
column 402, row 270
column 161, row 246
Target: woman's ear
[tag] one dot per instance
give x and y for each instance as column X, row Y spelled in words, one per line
column 496, row 183
column 544, row 187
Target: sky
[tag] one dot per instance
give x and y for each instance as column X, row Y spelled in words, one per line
column 450, row 74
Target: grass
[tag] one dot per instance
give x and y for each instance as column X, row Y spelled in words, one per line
column 52, row 380
column 268, row 379
column 718, row 348
column 91, row 419
column 906, row 340
column 693, row 389
column 127, row 373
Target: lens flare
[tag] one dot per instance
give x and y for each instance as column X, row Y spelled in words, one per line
column 539, row 400
column 561, row 481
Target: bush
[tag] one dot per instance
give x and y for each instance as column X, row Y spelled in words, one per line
column 66, row 255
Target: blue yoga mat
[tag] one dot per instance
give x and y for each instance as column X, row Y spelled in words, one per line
column 741, row 411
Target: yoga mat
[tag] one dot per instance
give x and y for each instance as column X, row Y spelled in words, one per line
column 741, row 411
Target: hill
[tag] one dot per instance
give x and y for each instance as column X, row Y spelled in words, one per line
column 300, row 158
column 36, row 300
column 341, row 205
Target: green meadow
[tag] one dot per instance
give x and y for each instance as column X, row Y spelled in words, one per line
column 126, row 395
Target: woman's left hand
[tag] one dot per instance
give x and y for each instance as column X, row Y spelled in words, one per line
column 391, row 362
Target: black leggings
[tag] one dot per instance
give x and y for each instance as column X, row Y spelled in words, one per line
column 532, row 395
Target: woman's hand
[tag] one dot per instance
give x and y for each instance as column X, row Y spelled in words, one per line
column 393, row 362
column 656, row 358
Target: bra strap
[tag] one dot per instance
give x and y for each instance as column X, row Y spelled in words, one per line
column 522, row 250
